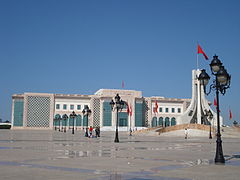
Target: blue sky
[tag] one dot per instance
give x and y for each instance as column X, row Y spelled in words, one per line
column 73, row 46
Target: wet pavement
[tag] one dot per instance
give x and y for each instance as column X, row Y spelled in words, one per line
column 28, row 154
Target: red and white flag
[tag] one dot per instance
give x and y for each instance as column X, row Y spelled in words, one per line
column 215, row 103
column 129, row 109
column 230, row 114
column 155, row 109
column 200, row 51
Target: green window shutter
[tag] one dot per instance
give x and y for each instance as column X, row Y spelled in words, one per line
column 173, row 121
column 160, row 122
column 85, row 121
column 71, row 121
column 107, row 114
column 18, row 113
column 139, row 115
column 167, row 122
column 79, row 120
column 154, row 121
column 57, row 106
column 123, row 119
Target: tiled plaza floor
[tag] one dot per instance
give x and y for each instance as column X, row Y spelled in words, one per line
column 37, row 155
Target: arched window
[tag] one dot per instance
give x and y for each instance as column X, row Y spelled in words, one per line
column 160, row 122
column 78, row 120
column 57, row 119
column 57, row 116
column 173, row 121
column 154, row 121
column 85, row 121
column 70, row 121
column 64, row 119
column 167, row 123
column 123, row 119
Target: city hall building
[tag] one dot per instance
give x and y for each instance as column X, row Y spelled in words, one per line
column 39, row 110
column 46, row 111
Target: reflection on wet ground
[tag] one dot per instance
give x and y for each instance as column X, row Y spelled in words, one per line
column 6, row 163
column 137, row 176
column 130, row 150
column 10, row 147
column 105, row 151
column 143, row 175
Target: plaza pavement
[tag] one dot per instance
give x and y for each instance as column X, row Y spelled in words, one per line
column 53, row 155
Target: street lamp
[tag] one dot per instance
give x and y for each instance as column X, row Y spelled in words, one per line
column 72, row 116
column 221, row 83
column 86, row 112
column 65, row 117
column 118, row 104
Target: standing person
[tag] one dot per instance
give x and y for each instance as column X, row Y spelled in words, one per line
column 90, row 131
column 98, row 128
column 186, row 133
column 86, row 132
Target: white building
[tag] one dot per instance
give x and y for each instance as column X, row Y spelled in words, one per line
column 38, row 110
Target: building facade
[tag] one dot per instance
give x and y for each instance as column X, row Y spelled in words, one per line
column 45, row 111
column 41, row 110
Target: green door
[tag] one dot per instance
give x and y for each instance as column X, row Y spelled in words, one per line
column 173, row 121
column 167, row 122
column 78, row 120
column 123, row 119
column 160, row 122
column 154, row 121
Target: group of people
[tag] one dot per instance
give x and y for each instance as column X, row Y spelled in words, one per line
column 89, row 132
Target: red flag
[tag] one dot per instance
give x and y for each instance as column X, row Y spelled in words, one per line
column 215, row 102
column 129, row 109
column 230, row 114
column 155, row 109
column 122, row 84
column 200, row 51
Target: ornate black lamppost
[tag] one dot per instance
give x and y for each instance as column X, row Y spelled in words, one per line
column 220, row 83
column 86, row 112
column 118, row 104
column 72, row 116
column 65, row 117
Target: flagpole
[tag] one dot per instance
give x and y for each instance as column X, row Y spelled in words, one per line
column 197, row 54
column 130, row 131
column 197, row 61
